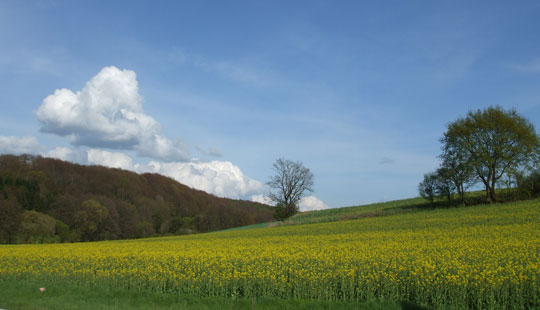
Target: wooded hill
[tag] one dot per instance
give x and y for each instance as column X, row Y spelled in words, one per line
column 49, row 200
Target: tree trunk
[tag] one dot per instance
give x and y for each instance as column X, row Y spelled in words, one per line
column 461, row 193
column 492, row 198
column 492, row 188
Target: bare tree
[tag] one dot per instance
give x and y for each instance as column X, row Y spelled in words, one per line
column 290, row 183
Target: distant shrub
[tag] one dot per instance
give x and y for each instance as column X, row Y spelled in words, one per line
column 529, row 186
column 281, row 212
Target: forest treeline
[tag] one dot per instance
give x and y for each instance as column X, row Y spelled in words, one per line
column 49, row 200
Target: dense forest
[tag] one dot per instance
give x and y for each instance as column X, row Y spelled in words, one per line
column 49, row 200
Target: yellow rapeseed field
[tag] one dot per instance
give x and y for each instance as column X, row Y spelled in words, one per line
column 474, row 257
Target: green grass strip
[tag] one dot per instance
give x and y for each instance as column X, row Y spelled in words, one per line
column 19, row 295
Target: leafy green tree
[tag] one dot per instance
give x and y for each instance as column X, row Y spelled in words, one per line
column 29, row 193
column 456, row 169
column 444, row 187
column 90, row 219
column 529, row 185
column 492, row 141
column 291, row 182
column 10, row 220
column 427, row 188
column 64, row 233
column 144, row 229
column 36, row 226
column 281, row 212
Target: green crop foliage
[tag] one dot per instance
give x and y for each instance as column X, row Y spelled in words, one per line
column 486, row 256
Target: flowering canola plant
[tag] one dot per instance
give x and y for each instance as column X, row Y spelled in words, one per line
column 474, row 257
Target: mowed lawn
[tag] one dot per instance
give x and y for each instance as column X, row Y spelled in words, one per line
column 486, row 256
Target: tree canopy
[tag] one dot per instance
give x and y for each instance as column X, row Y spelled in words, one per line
column 489, row 143
column 87, row 203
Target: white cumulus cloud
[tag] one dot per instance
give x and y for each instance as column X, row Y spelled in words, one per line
column 110, row 159
column 19, row 145
column 311, row 203
column 108, row 113
column 68, row 154
column 220, row 178
column 92, row 157
column 308, row 203
column 261, row 198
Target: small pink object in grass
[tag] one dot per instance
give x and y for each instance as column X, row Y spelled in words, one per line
column 42, row 289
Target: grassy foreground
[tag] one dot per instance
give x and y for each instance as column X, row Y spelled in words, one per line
column 25, row 295
column 474, row 257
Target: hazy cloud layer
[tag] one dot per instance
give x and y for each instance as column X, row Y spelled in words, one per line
column 209, row 151
column 531, row 67
column 19, row 145
column 107, row 113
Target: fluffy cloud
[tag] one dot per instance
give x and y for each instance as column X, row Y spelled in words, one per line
column 19, row 145
column 110, row 159
column 221, row 178
column 68, row 154
column 108, row 113
column 262, row 199
column 308, row 203
column 311, row 203
column 92, row 157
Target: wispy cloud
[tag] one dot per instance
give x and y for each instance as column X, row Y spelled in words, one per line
column 28, row 61
column 209, row 151
column 386, row 161
column 231, row 70
column 530, row 67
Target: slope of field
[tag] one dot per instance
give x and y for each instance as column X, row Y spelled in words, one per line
column 355, row 212
column 346, row 213
column 385, row 208
column 476, row 257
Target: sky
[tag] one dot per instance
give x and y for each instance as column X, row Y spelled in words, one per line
column 211, row 93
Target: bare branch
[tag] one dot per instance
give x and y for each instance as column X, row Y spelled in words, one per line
column 290, row 183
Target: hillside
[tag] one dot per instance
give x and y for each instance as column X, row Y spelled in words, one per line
column 478, row 257
column 47, row 200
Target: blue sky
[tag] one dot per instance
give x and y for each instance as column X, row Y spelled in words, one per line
column 212, row 92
